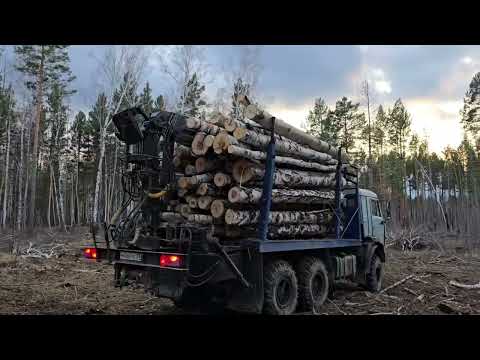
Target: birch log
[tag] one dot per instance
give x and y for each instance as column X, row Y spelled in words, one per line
column 202, row 126
column 222, row 180
column 282, row 146
column 203, row 164
column 188, row 182
column 242, row 217
column 261, row 156
column 204, row 202
column 245, row 171
column 200, row 219
column 222, row 141
column 282, row 128
column 218, row 208
column 238, row 195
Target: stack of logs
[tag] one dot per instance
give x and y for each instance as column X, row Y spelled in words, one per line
column 220, row 177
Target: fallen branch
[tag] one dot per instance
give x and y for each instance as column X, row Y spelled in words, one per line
column 396, row 284
column 464, row 286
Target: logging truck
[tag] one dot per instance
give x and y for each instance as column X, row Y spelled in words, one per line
column 286, row 261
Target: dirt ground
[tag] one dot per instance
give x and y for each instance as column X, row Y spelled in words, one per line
column 70, row 284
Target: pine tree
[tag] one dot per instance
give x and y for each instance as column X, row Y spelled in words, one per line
column 42, row 65
column 471, row 108
column 379, row 132
column 191, row 102
column 159, row 104
column 348, row 122
column 130, row 97
column 319, row 122
column 146, row 100
column 399, row 127
column 239, row 88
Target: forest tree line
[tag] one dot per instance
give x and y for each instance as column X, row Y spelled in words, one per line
column 60, row 168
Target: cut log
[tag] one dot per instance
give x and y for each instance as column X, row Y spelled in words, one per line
column 183, row 209
column 200, row 219
column 296, row 230
column 261, row 156
column 282, row 146
column 241, row 217
column 222, row 141
column 171, row 217
column 190, row 170
column 203, row 126
column 246, row 171
column 208, row 142
column 204, row 202
column 238, row 195
column 197, row 144
column 189, row 182
column 192, row 201
column 282, row 128
column 218, row 208
column 182, row 192
column 203, row 164
column 206, row 189
column 222, row 180
column 182, row 156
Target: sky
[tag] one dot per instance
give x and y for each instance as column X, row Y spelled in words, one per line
column 430, row 80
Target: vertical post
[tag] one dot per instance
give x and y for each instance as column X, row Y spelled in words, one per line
column 266, row 200
column 359, row 214
column 338, row 192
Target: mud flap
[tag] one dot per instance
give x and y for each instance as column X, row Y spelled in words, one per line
column 249, row 299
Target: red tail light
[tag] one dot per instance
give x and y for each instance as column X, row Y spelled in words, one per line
column 171, row 260
column 90, row 253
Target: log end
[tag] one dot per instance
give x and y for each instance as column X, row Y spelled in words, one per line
column 218, row 208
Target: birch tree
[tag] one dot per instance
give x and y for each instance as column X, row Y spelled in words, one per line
column 119, row 64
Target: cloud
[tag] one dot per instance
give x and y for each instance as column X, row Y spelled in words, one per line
column 467, row 60
column 383, row 86
column 440, row 120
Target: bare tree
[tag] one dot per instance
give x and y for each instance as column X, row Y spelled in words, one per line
column 180, row 63
column 118, row 64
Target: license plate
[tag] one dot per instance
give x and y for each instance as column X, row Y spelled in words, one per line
column 130, row 256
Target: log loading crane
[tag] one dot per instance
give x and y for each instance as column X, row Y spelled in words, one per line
column 174, row 259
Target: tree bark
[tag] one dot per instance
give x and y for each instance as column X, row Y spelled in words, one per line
column 202, row 126
column 250, row 217
column 261, row 156
column 209, row 189
column 222, row 141
column 189, row 182
column 282, row 146
column 99, row 175
column 36, row 140
column 245, row 171
column 7, row 167
column 238, row 195
column 203, row 164
column 200, row 219
column 20, row 179
column 284, row 129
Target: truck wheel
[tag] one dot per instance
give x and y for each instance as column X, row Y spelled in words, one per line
column 281, row 288
column 313, row 284
column 375, row 274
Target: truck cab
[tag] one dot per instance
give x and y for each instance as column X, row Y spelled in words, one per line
column 372, row 222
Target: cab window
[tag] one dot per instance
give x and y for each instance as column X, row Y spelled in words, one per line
column 375, row 207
